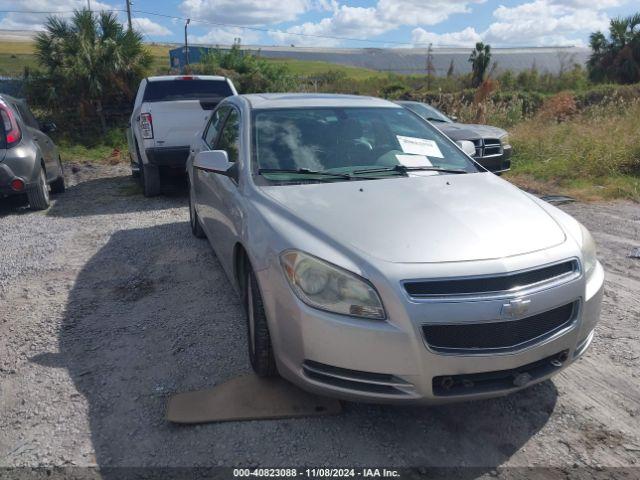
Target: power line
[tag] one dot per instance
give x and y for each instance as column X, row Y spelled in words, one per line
column 222, row 24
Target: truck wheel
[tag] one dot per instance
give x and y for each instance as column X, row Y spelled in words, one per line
column 58, row 186
column 150, row 176
column 38, row 194
column 260, row 348
column 194, row 220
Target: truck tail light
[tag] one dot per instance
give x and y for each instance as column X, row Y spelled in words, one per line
column 9, row 123
column 146, row 125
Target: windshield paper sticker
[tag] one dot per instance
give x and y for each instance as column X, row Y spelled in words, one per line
column 419, row 146
column 413, row 160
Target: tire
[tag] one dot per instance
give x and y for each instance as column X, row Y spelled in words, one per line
column 259, row 341
column 58, row 186
column 38, row 194
column 150, row 176
column 194, row 220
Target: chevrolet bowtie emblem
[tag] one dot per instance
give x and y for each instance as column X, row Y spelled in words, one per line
column 515, row 308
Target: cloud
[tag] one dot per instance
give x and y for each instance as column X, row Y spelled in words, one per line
column 245, row 12
column 546, row 22
column 35, row 21
column 463, row 38
column 367, row 22
column 226, row 36
column 345, row 22
column 535, row 23
column 421, row 12
column 148, row 27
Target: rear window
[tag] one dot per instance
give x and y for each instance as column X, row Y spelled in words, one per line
column 168, row 90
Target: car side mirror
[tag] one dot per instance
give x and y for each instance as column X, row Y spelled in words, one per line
column 215, row 161
column 467, row 147
column 48, row 127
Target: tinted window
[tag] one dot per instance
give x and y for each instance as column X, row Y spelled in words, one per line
column 229, row 139
column 214, row 125
column 428, row 112
column 167, row 90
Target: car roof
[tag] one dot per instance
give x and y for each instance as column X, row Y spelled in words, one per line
column 310, row 100
column 161, row 78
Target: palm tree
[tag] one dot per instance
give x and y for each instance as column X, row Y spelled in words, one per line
column 480, row 58
column 90, row 61
column 618, row 57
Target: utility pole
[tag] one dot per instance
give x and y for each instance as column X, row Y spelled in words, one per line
column 89, row 4
column 431, row 70
column 186, row 43
column 128, row 2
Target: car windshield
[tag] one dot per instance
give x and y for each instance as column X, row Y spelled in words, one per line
column 185, row 89
column 427, row 111
column 310, row 143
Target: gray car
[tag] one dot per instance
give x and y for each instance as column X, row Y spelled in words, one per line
column 378, row 262
column 492, row 147
column 29, row 160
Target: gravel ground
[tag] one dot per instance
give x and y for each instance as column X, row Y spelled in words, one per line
column 110, row 305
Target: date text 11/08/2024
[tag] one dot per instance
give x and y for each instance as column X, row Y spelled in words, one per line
column 316, row 472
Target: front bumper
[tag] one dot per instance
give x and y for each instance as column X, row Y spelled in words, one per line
column 389, row 361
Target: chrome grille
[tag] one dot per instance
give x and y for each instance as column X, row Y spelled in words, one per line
column 491, row 284
column 487, row 147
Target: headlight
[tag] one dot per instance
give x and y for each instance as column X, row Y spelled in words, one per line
column 328, row 287
column 505, row 139
column 589, row 258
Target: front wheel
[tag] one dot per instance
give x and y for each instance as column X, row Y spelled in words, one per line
column 260, row 349
column 38, row 194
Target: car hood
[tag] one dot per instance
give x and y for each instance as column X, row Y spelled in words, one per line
column 424, row 219
column 463, row 131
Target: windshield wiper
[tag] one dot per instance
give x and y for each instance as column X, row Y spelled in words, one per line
column 431, row 119
column 405, row 169
column 306, row 171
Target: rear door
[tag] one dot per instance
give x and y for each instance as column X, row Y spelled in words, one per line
column 46, row 145
column 179, row 107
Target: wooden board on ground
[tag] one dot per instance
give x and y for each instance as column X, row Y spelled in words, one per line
column 248, row 398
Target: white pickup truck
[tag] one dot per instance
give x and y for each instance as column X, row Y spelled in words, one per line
column 167, row 114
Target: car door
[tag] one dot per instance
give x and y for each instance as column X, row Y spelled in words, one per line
column 46, row 145
column 221, row 195
column 200, row 178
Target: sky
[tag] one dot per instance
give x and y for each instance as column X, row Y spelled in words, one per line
column 352, row 23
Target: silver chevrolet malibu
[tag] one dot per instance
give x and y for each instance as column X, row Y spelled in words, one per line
column 378, row 262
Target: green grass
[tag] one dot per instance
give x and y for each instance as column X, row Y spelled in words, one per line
column 312, row 67
column 14, row 56
column 593, row 155
column 110, row 148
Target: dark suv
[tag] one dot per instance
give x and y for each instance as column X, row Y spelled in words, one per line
column 493, row 150
column 29, row 160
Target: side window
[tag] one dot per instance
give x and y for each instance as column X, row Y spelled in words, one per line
column 214, row 125
column 27, row 116
column 229, row 139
